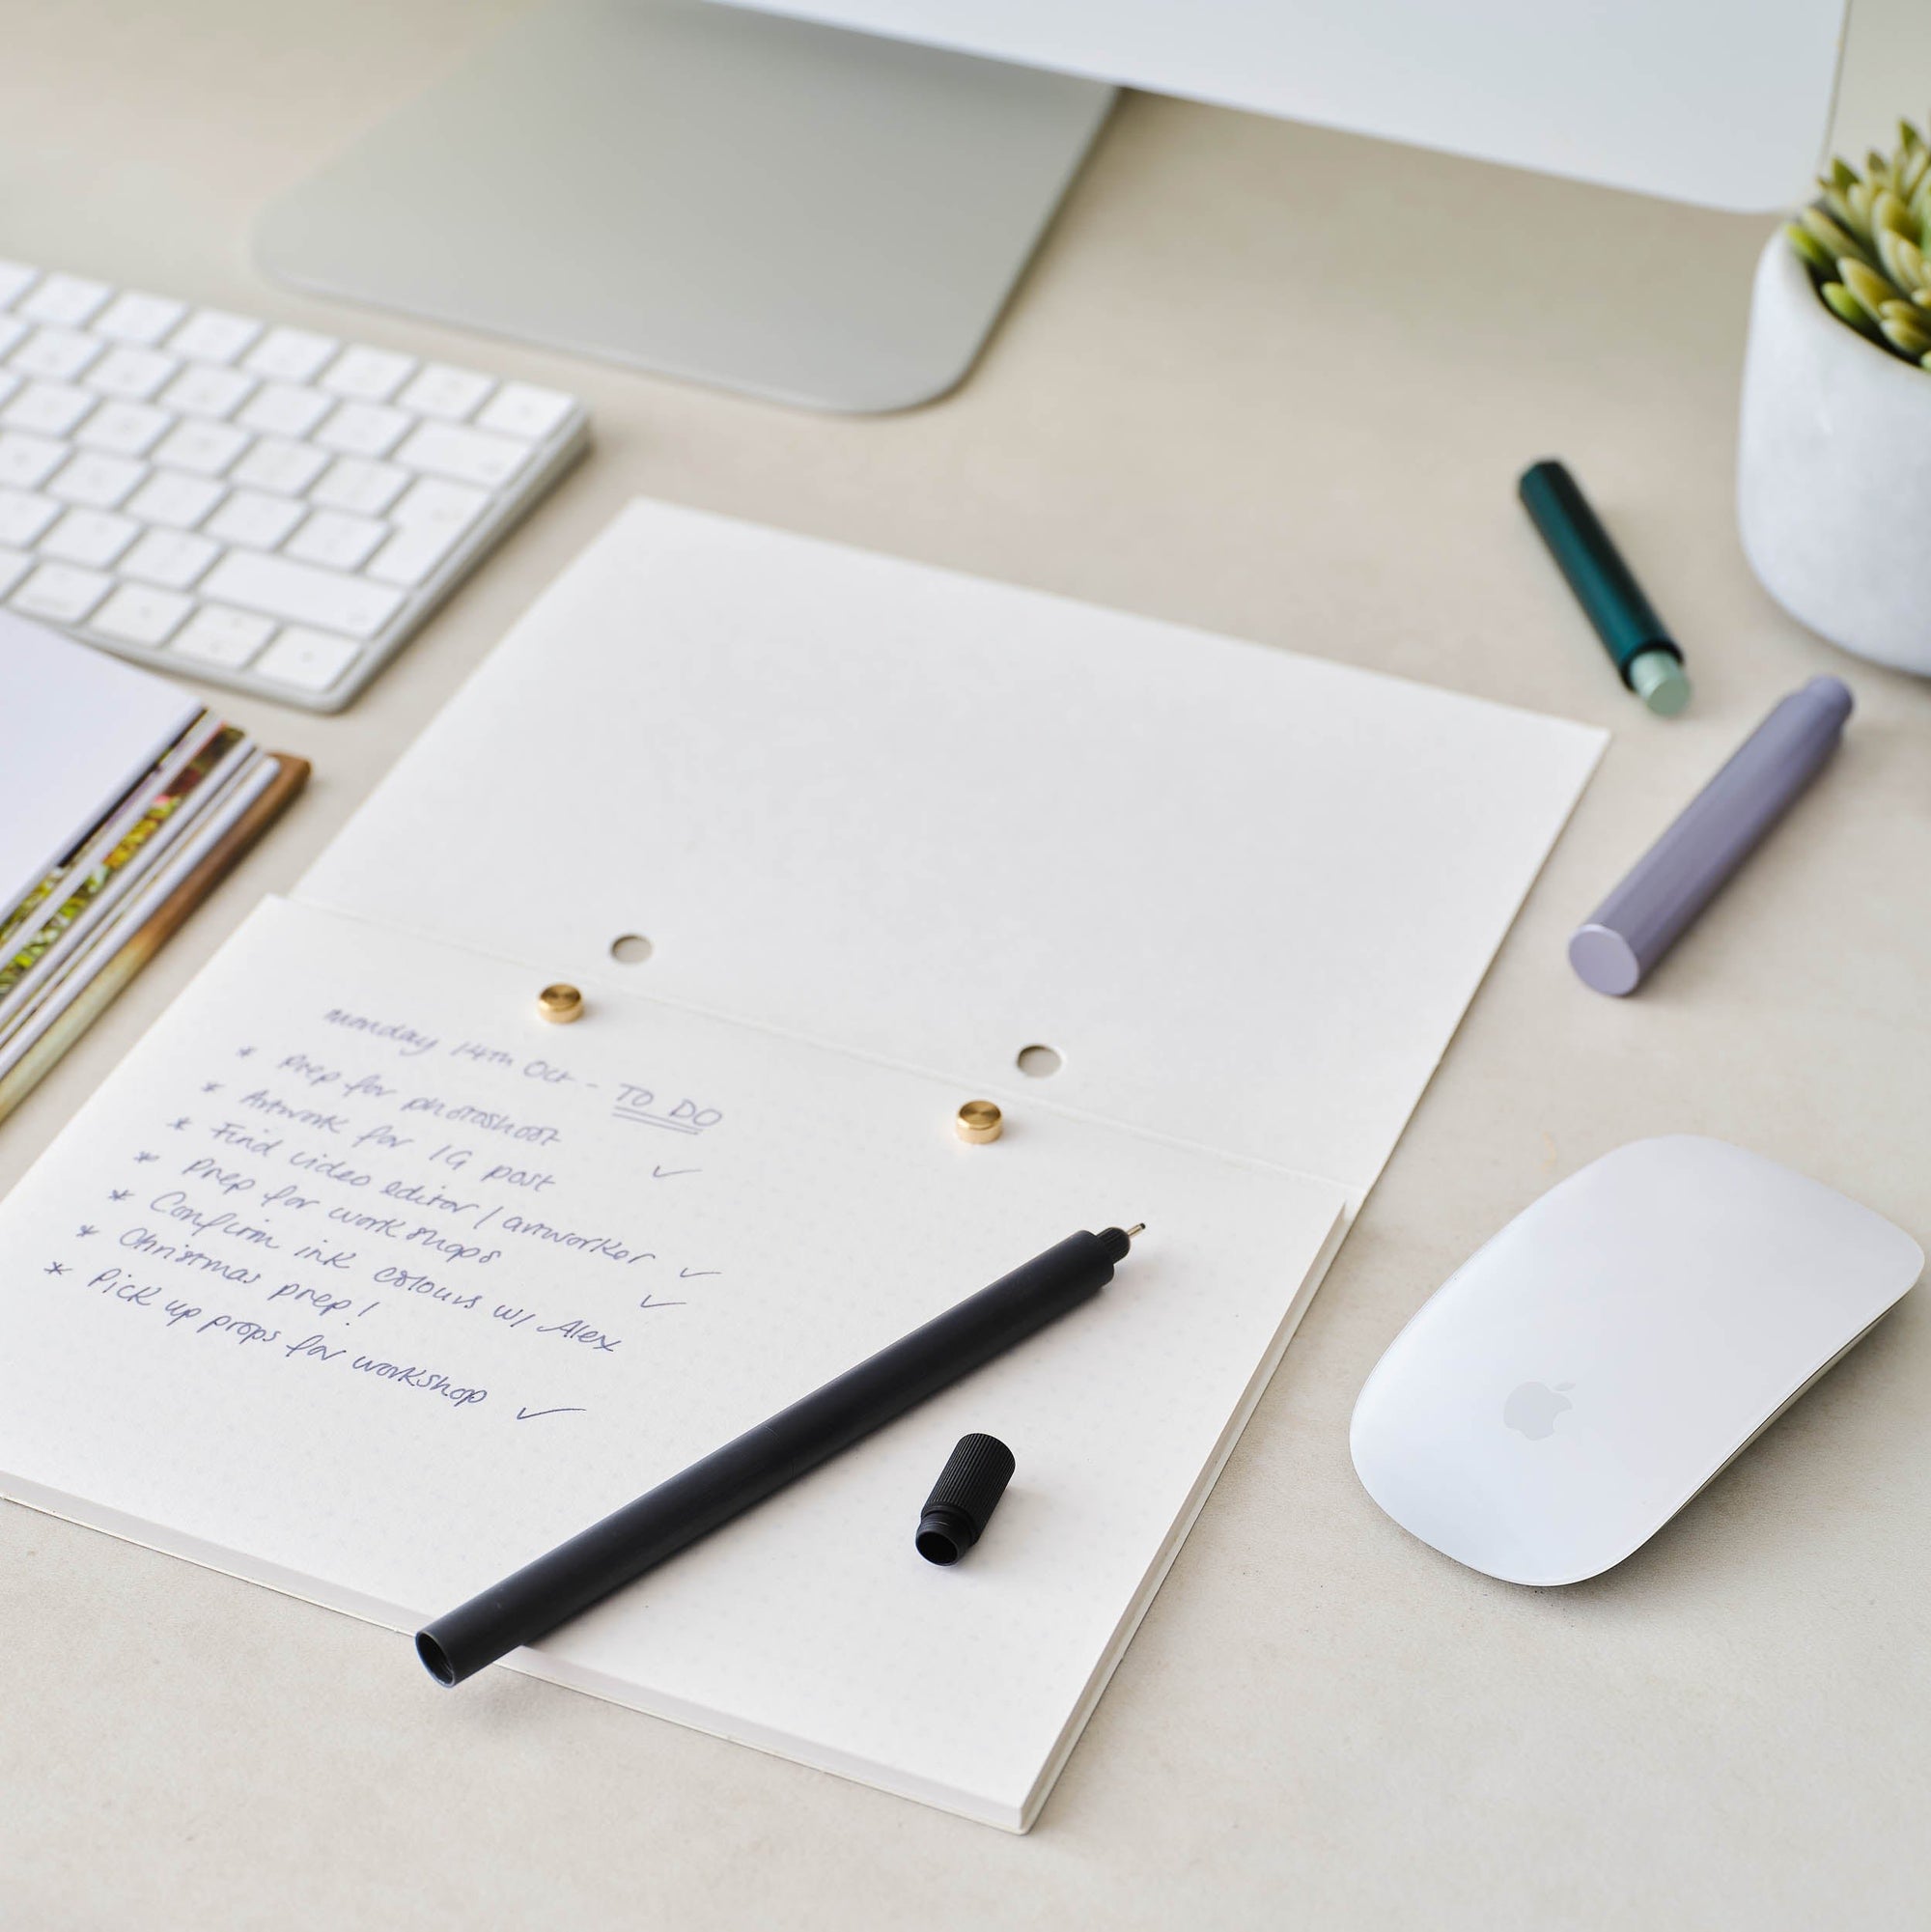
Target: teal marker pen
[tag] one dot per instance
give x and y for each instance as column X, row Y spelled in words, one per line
column 1632, row 634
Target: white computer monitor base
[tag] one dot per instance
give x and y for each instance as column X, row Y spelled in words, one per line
column 809, row 215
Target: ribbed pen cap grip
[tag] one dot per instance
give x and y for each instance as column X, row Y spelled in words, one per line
column 962, row 1499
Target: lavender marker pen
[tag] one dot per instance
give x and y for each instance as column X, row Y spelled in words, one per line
column 1720, row 827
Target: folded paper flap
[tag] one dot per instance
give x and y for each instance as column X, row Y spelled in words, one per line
column 1246, row 896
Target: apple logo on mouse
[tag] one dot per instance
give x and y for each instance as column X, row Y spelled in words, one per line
column 1532, row 1409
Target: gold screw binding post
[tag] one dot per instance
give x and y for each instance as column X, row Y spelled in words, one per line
column 560, row 1004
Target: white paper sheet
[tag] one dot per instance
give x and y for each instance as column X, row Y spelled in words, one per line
column 883, row 827
column 410, row 1286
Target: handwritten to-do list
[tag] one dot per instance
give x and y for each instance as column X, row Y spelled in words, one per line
column 358, row 1279
column 324, row 1191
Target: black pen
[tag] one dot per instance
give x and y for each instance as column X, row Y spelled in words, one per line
column 728, row 1481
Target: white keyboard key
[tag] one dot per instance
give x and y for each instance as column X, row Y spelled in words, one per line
column 213, row 335
column 301, row 594
column 281, row 409
column 65, row 300
column 48, row 409
column 174, row 500
column 26, row 461
column 91, row 537
column 450, row 505
column 311, row 660
column 100, row 481
column 61, row 594
column 206, row 449
column 12, row 568
column 366, row 487
column 137, row 615
column 11, row 333
column 171, row 558
column 23, row 516
column 367, row 375
column 134, row 373
column 124, row 429
column 364, row 428
column 286, row 468
column 15, row 279
column 7, row 384
column 410, row 557
column 463, row 455
column 290, row 355
column 55, row 354
column 336, row 539
column 250, row 517
column 217, row 635
column 139, row 318
column 206, row 389
column 450, row 394
column 521, row 409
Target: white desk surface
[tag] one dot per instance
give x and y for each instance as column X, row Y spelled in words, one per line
column 1277, row 383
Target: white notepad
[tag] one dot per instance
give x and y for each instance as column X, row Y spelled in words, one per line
column 82, row 729
column 409, row 1285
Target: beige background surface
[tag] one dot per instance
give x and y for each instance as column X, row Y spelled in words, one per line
column 1277, row 383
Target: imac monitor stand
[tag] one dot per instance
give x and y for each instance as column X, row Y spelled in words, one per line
column 813, row 216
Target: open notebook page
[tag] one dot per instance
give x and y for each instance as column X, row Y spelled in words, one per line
column 357, row 1279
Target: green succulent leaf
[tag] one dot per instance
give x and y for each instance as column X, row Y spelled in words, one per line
column 1846, row 307
column 1902, row 261
column 1868, row 284
column 1888, row 211
column 1837, row 240
column 1906, row 337
column 1810, row 250
column 1842, row 207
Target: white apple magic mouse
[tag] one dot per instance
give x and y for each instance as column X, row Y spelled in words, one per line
column 1575, row 1383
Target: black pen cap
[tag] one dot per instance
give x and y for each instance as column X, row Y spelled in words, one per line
column 962, row 1499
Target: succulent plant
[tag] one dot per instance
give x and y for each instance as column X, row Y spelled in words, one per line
column 1865, row 240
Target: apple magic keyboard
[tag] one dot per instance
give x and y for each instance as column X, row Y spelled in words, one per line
column 259, row 506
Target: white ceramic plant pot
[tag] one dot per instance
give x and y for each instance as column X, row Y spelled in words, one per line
column 1833, row 472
